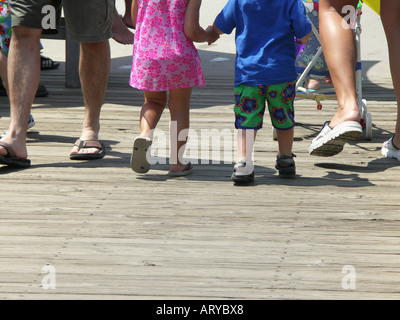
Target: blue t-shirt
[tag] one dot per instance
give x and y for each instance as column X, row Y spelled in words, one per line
column 265, row 30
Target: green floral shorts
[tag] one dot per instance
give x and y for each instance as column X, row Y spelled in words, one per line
column 250, row 105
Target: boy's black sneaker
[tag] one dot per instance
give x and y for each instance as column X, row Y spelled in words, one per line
column 286, row 166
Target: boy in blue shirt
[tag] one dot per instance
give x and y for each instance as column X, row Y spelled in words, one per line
column 264, row 72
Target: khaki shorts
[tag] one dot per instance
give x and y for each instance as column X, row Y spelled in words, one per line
column 86, row 20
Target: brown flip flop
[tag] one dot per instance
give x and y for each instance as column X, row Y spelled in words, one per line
column 85, row 144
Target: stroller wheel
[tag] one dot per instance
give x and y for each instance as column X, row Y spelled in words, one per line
column 368, row 127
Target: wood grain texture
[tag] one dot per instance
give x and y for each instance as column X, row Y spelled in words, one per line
column 112, row 234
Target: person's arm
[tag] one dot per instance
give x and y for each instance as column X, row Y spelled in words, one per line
column 305, row 39
column 300, row 23
column 134, row 12
column 215, row 28
column 193, row 30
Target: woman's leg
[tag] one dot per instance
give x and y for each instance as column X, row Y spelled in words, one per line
column 341, row 54
column 390, row 14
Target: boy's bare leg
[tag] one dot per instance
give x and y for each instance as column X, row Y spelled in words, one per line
column 245, row 143
column 285, row 142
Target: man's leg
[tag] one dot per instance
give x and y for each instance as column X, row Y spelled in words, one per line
column 23, row 78
column 94, row 69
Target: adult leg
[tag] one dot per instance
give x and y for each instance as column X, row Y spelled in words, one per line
column 179, row 107
column 23, row 78
column 341, row 54
column 94, row 68
column 390, row 14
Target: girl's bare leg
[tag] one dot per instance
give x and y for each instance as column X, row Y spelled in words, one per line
column 153, row 107
column 179, row 106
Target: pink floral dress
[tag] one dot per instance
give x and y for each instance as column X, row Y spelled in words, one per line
column 163, row 58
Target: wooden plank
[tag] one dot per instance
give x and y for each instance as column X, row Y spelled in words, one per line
column 111, row 234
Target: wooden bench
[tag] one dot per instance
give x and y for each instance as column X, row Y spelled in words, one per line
column 72, row 50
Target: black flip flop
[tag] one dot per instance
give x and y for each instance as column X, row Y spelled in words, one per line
column 85, row 144
column 48, row 64
column 11, row 159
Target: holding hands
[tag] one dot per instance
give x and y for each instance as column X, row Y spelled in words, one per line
column 193, row 30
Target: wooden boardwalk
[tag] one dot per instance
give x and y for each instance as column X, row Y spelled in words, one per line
column 111, row 234
column 96, row 230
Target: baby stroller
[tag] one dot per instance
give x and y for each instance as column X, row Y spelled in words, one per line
column 311, row 64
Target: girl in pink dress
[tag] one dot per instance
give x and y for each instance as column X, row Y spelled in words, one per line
column 166, row 66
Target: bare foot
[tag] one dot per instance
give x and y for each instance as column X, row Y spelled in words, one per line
column 18, row 147
column 338, row 118
column 313, row 84
column 120, row 32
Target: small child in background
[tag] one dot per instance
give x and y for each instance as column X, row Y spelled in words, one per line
column 264, row 72
column 166, row 66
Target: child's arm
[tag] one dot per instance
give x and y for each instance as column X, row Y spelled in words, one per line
column 193, row 30
column 215, row 28
column 305, row 39
column 134, row 12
